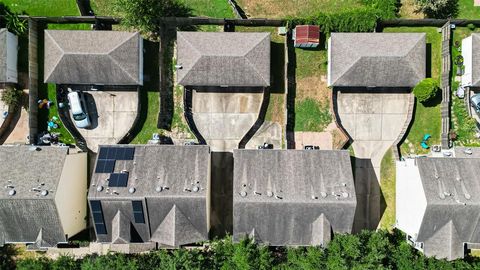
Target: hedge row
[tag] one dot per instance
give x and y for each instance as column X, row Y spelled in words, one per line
column 363, row 19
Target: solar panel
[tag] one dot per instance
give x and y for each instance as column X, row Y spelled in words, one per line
column 111, row 153
column 120, row 153
column 129, row 153
column 118, row 180
column 105, row 166
column 103, row 153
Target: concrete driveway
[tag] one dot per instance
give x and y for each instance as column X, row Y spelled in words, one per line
column 112, row 114
column 224, row 118
column 374, row 121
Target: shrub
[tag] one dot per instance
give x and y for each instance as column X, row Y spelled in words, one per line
column 12, row 97
column 471, row 26
column 438, row 9
column 426, row 90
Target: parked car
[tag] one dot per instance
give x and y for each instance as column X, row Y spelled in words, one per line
column 475, row 102
column 79, row 109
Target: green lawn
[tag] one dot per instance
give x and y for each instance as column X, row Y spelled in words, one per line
column 150, row 125
column 44, row 7
column 65, row 135
column 427, row 118
column 462, row 123
column 466, row 10
column 387, row 183
column 311, row 115
column 210, row 8
column 311, row 62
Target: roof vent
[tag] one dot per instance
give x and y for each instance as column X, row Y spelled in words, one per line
column 258, row 193
column 278, row 197
column 12, row 192
column 195, row 189
column 314, row 197
column 178, row 66
column 468, row 151
column 269, row 193
column 131, row 190
column 158, row 189
column 99, row 188
column 323, row 194
column 345, row 194
column 44, row 192
column 34, row 148
column 243, row 194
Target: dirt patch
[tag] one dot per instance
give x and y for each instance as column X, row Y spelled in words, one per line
column 407, row 10
column 276, row 109
column 313, row 87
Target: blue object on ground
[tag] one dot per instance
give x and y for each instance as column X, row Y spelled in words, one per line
column 424, row 145
column 426, row 137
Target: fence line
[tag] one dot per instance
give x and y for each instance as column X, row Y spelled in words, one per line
column 445, row 84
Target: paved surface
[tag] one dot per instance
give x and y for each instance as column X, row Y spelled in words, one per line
column 112, row 114
column 224, row 118
column 374, row 121
column 269, row 132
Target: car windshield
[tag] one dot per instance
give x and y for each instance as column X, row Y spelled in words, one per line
column 79, row 116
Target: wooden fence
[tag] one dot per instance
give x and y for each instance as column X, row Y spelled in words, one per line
column 445, row 84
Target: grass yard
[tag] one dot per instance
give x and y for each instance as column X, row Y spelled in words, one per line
column 210, row 8
column 44, row 7
column 150, row 125
column 387, row 183
column 284, row 8
column 311, row 115
column 427, row 118
column 466, row 10
column 462, row 123
column 65, row 135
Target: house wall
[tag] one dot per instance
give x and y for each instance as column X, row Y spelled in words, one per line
column 411, row 202
column 71, row 194
column 12, row 56
column 467, row 61
column 140, row 57
column 329, row 63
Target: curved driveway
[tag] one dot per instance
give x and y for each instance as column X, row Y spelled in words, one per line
column 374, row 121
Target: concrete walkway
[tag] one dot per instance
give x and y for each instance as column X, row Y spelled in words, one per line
column 112, row 114
column 224, row 118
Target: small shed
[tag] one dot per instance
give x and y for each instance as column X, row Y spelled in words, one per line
column 306, row 36
column 8, row 56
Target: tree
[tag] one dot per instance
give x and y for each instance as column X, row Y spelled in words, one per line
column 12, row 97
column 439, row 9
column 144, row 15
column 426, row 90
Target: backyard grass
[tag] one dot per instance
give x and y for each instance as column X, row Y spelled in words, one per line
column 150, row 125
column 462, row 123
column 311, row 62
column 284, row 8
column 387, row 183
column 466, row 10
column 44, row 7
column 65, row 135
column 427, row 118
column 311, row 115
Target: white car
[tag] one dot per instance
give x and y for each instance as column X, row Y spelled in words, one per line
column 79, row 109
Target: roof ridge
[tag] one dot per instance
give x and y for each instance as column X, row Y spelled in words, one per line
column 120, row 66
column 251, row 64
column 59, row 59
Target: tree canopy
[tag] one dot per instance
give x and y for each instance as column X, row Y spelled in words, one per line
column 367, row 250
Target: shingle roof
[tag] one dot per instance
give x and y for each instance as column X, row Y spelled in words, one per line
column 93, row 57
column 377, row 59
column 3, row 54
column 452, row 190
column 28, row 172
column 281, row 195
column 223, row 59
column 476, row 59
column 174, row 216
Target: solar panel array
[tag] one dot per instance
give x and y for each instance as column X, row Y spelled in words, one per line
column 108, row 155
column 118, row 180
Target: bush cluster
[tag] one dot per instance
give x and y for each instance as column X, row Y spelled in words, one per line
column 363, row 19
column 426, row 90
column 367, row 250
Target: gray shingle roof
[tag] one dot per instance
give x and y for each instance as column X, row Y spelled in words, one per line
column 93, row 57
column 377, row 59
column 22, row 169
column 452, row 215
column 3, row 54
column 476, row 59
column 175, row 216
column 223, row 59
column 291, row 197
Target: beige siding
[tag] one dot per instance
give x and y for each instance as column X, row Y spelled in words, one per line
column 71, row 195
